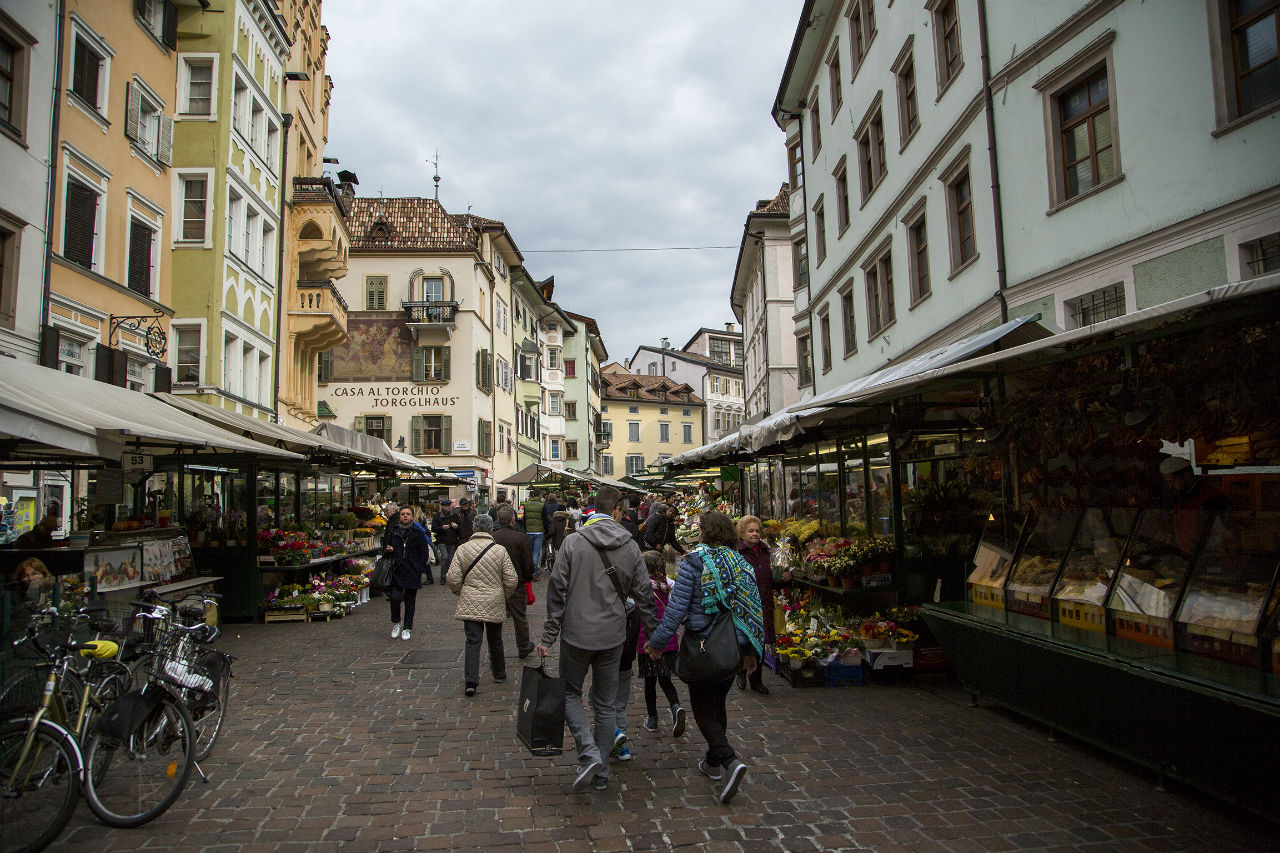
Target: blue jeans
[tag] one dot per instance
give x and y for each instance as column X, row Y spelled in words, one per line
column 535, row 543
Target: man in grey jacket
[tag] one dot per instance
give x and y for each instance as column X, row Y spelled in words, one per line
column 586, row 612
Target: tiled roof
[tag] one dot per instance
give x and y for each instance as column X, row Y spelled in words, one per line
column 406, row 225
column 781, row 203
column 649, row 389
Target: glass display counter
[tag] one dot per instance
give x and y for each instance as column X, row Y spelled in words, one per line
column 996, row 552
column 1232, row 588
column 1153, row 572
column 1090, row 566
column 1036, row 568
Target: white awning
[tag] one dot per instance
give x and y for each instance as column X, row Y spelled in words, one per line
column 264, row 431
column 374, row 448
column 45, row 408
column 406, row 462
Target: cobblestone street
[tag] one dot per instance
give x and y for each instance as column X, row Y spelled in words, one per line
column 336, row 743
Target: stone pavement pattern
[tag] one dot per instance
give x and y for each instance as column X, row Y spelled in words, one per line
column 333, row 743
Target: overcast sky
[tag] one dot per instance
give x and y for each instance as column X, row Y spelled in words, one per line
column 580, row 125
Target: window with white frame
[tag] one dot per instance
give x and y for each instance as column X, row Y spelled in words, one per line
column 137, row 374
column 1260, row 256
column 251, row 235
column 146, row 125
column 553, row 404
column 606, row 465
column 635, row 463
column 83, row 212
column 633, row 430
column 195, row 208
column 633, row 410
column 240, row 100
column 266, row 251
column 198, row 85
column 554, row 445
column 653, row 369
column 159, row 18
column 187, row 350
column 664, row 432
column 143, row 236
column 90, row 67
column 553, row 358
column 235, row 215
column 73, row 354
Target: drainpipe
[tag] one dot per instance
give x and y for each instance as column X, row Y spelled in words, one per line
column 286, row 120
column 52, row 181
column 993, row 163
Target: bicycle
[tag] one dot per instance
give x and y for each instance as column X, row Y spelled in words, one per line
column 179, row 655
column 130, row 759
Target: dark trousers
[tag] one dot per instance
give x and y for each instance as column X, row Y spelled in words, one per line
column 517, row 609
column 446, row 556
column 651, row 683
column 398, row 594
column 477, row 631
column 706, row 699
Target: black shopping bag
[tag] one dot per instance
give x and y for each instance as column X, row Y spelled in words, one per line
column 540, row 716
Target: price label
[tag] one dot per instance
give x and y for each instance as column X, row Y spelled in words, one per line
column 813, row 625
column 137, row 462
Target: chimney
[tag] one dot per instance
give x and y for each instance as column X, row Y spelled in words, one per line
column 728, row 327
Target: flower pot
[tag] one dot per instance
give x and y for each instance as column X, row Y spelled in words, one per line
column 325, row 606
column 848, row 582
column 832, row 580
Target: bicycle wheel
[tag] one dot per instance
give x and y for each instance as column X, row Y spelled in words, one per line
column 131, row 782
column 22, row 695
column 38, row 788
column 209, row 707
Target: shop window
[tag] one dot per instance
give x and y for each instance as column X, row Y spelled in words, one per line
column 1105, row 303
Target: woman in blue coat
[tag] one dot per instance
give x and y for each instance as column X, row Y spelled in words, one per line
column 713, row 578
column 405, row 542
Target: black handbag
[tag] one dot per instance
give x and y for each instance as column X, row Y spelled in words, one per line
column 713, row 655
column 540, row 715
column 382, row 572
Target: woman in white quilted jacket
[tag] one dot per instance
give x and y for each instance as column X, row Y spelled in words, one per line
column 482, row 576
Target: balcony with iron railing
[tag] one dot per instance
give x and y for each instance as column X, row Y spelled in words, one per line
column 431, row 315
column 317, row 315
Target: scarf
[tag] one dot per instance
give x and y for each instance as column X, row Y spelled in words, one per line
column 729, row 583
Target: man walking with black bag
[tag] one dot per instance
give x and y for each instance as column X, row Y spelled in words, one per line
column 517, row 545
column 595, row 570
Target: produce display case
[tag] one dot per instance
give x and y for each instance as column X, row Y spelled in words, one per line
column 1154, row 569
column 996, row 552
column 1090, row 567
column 1035, row 569
column 1231, row 593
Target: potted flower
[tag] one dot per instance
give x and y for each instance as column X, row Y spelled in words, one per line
column 877, row 631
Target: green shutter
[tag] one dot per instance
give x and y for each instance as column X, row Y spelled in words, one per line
column 415, row 440
column 444, row 364
column 446, row 434
column 419, row 364
column 324, row 366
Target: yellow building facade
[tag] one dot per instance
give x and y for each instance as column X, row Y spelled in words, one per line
column 645, row 419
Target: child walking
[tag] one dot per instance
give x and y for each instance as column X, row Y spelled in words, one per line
column 658, row 672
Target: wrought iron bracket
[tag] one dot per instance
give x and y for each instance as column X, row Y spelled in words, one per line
column 148, row 327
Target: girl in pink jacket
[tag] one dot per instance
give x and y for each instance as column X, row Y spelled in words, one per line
column 658, row 672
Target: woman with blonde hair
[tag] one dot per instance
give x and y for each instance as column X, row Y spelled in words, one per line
column 753, row 549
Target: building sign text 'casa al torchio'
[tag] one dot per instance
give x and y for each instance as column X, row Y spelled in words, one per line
column 391, row 396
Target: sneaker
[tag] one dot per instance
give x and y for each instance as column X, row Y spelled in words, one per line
column 623, row 753
column 404, row 635
column 709, row 770
column 619, row 742
column 650, row 724
column 395, row 632
column 470, row 691
column 678, row 717
column 736, row 771
column 586, row 770
column 600, row 783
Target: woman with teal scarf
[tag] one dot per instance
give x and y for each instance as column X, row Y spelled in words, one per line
column 711, row 579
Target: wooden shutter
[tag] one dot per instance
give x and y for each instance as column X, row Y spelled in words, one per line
column 164, row 147
column 50, row 341
column 102, row 363
column 86, row 65
column 486, row 369
column 140, row 258
column 133, row 112
column 358, row 423
column 119, row 368
column 170, row 36
column 419, row 364
column 444, row 364
column 81, row 216
column 324, row 366
column 164, row 379
column 446, row 433
column 415, row 434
